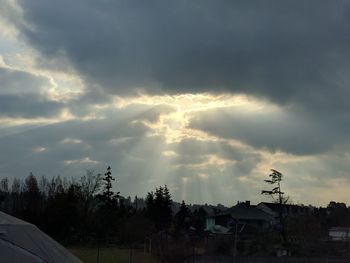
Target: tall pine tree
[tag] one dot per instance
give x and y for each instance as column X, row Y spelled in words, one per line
column 159, row 207
column 108, row 197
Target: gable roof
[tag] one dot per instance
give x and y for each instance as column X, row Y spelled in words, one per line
column 250, row 212
column 292, row 208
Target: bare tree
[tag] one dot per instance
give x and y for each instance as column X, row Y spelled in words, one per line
column 4, row 185
column 90, row 185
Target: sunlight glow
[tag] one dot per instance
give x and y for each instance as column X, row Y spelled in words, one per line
column 39, row 149
column 65, row 115
column 71, row 141
column 63, row 86
column 85, row 160
column 169, row 153
column 195, row 102
column 174, row 126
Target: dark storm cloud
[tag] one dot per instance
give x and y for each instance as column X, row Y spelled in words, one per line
column 278, row 130
column 27, row 106
column 20, row 95
column 293, row 53
column 290, row 51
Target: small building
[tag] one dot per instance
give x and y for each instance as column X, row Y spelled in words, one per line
column 339, row 233
column 243, row 214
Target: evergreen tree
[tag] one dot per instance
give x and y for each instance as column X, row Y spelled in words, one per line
column 182, row 217
column 167, row 206
column 150, row 205
column 159, row 207
column 32, row 199
column 275, row 180
column 109, row 198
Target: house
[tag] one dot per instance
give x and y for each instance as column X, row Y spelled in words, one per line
column 339, row 233
column 288, row 210
column 243, row 214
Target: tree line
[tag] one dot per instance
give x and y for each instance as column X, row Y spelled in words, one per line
column 87, row 209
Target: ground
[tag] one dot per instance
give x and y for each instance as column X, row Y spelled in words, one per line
column 110, row 254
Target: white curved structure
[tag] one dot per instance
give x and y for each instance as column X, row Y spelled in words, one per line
column 22, row 242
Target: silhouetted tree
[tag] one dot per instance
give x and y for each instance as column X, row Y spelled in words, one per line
column 90, row 184
column 109, row 218
column 4, row 185
column 63, row 213
column 168, row 212
column 108, row 197
column 198, row 219
column 4, row 194
column 182, row 217
column 338, row 214
column 275, row 181
column 32, row 199
column 159, row 207
column 150, row 204
column 15, row 196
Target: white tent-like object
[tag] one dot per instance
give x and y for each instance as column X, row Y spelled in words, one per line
column 22, row 242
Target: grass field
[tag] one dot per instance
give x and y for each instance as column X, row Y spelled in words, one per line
column 110, row 255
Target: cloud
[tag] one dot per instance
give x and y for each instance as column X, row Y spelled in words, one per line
column 293, row 54
column 276, row 130
column 68, row 148
column 314, row 179
column 289, row 62
column 290, row 52
column 21, row 95
column 120, row 139
column 191, row 148
column 16, row 82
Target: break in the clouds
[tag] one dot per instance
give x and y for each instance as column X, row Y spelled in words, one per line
column 205, row 96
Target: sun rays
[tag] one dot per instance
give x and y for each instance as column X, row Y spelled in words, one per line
column 174, row 125
column 206, row 164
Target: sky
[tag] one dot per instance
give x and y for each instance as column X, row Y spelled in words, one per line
column 204, row 96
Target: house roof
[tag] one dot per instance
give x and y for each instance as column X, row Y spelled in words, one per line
column 241, row 211
column 343, row 229
column 292, row 208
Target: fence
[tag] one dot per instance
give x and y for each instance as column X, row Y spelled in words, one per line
column 162, row 247
column 213, row 259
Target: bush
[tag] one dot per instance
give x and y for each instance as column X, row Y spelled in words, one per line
column 222, row 246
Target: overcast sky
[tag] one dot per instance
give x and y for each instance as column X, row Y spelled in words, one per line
column 204, row 96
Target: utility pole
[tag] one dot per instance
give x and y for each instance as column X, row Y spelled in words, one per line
column 235, row 243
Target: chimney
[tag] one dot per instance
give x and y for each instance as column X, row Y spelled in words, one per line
column 247, row 203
